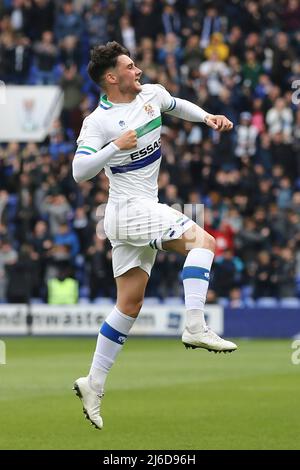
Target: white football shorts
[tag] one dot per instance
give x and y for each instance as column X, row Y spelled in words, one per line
column 136, row 230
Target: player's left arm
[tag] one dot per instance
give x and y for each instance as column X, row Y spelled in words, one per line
column 184, row 109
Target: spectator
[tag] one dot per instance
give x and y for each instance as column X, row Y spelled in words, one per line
column 40, row 239
column 249, row 240
column 8, row 257
column 291, row 16
column 251, row 69
column 284, row 194
column 65, row 236
column 226, row 273
column 41, row 18
column 71, row 83
column 246, row 137
column 68, row 22
column 20, row 59
column 211, row 24
column 283, row 57
column 192, row 54
column 263, row 285
column 58, row 209
column 46, row 54
column 280, row 119
column 127, row 34
column 214, row 71
column 20, row 285
column 286, row 274
column 70, row 54
column 100, row 270
column 191, row 22
column 147, row 21
column 170, row 19
column 83, row 228
column 96, row 24
column 218, row 47
column 62, row 290
column 235, row 298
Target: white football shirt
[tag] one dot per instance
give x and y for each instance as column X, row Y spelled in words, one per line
column 132, row 173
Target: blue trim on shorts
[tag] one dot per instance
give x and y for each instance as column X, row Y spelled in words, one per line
column 195, row 272
column 112, row 334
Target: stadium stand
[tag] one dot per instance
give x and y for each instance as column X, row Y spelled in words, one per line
column 238, row 58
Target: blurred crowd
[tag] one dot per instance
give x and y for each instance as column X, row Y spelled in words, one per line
column 238, row 58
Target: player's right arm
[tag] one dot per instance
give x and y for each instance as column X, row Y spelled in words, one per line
column 184, row 109
column 92, row 154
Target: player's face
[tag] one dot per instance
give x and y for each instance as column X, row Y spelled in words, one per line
column 128, row 75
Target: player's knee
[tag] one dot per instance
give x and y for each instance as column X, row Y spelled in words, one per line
column 209, row 242
column 132, row 306
column 200, row 239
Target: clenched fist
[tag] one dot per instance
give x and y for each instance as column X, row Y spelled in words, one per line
column 218, row 122
column 127, row 141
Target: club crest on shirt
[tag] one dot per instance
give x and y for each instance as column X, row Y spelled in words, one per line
column 149, row 109
column 122, row 123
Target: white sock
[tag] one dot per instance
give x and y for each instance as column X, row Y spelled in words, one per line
column 112, row 336
column 195, row 275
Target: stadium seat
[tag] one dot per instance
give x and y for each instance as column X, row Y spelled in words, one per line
column 84, row 291
column 238, row 303
column 173, row 301
column 36, row 300
column 103, row 301
column 247, row 292
column 249, row 302
column 151, row 301
column 84, row 301
column 298, row 285
column 223, row 301
column 290, row 302
column 267, row 302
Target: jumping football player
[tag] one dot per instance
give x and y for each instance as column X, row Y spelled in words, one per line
column 123, row 136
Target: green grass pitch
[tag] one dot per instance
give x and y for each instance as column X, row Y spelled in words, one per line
column 158, row 396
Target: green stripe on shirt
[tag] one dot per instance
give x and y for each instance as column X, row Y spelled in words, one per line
column 150, row 126
column 85, row 147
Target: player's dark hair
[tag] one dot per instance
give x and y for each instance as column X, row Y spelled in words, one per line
column 104, row 57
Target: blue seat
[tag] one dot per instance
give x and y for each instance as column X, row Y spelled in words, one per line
column 247, row 292
column 223, row 301
column 267, row 302
column 298, row 285
column 84, row 291
column 151, row 301
column 238, row 303
column 36, row 300
column 84, row 301
column 103, row 301
column 173, row 301
column 290, row 302
column 249, row 302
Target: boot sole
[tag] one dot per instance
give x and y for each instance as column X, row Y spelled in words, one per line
column 79, row 395
column 192, row 346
